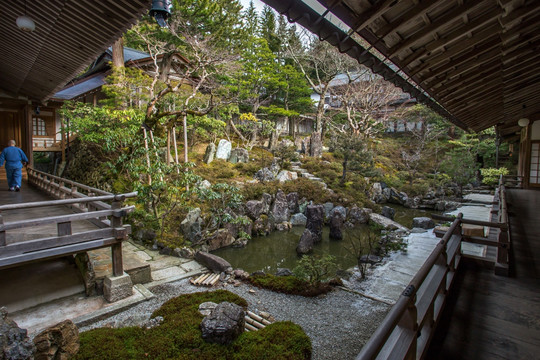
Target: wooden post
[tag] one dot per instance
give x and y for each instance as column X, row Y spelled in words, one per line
column 116, row 222
column 2, row 232
column 64, row 228
column 409, row 322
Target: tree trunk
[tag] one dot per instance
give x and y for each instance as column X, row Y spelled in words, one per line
column 118, row 53
column 147, row 155
column 184, row 123
column 344, row 176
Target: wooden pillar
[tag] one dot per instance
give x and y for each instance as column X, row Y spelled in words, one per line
column 116, row 222
column 2, row 232
column 118, row 53
column 28, row 136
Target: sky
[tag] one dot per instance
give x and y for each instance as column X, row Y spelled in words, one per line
column 258, row 4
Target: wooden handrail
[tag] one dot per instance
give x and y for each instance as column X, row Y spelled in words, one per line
column 110, row 232
column 405, row 314
column 406, row 331
column 28, row 205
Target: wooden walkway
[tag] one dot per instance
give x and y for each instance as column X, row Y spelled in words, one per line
column 494, row 317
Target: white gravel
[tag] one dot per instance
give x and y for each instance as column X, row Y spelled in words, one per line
column 338, row 323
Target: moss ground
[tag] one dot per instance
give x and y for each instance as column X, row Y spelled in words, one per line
column 179, row 336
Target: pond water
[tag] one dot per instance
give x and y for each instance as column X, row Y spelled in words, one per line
column 278, row 250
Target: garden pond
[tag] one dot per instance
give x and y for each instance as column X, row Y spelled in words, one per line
column 278, row 250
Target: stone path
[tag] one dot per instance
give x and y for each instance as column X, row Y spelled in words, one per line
column 296, row 166
column 386, row 282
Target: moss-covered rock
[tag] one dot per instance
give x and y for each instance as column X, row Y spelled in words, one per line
column 180, row 337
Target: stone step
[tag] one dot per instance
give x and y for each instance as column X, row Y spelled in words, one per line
column 296, row 163
column 137, row 268
column 307, row 175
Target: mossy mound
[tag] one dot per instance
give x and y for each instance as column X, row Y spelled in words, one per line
column 291, row 285
column 179, row 336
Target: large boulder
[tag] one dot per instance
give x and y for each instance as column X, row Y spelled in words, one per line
column 264, row 175
column 213, row 262
column 298, row 219
column 386, row 223
column 327, row 207
column 306, row 145
column 14, row 341
column 266, row 202
column 239, row 155
column 224, row 324
column 262, row 226
column 280, row 209
column 305, row 245
column 292, row 200
column 316, row 147
column 423, row 223
column 315, row 221
column 254, row 209
column 286, row 175
column 388, row 212
column 210, row 153
column 337, row 220
column 395, row 197
column 218, row 239
column 223, row 151
column 358, row 216
column 376, row 193
column 59, row 342
column 191, row 226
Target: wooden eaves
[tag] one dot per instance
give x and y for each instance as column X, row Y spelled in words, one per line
column 474, row 62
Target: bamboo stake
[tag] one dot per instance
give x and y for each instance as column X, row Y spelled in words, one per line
column 195, row 281
column 175, row 149
column 257, row 324
column 208, row 279
column 155, row 150
column 201, row 279
column 251, row 327
column 213, row 282
column 255, row 316
column 147, row 155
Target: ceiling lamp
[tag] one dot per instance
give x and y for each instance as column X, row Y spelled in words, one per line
column 160, row 11
column 25, row 23
column 523, row 122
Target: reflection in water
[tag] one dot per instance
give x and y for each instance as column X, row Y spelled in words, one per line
column 278, row 250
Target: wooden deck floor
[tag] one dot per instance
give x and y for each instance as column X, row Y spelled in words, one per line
column 494, row 317
column 29, row 194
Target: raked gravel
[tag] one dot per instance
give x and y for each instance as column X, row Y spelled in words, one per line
column 338, row 323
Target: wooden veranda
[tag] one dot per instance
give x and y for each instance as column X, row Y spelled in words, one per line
column 493, row 317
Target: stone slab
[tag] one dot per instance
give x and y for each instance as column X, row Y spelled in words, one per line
column 173, row 271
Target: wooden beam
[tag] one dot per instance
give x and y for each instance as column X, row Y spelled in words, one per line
column 415, row 11
column 483, row 60
column 372, row 13
column 444, row 41
column 473, row 53
column 464, row 46
column 451, row 16
column 518, row 14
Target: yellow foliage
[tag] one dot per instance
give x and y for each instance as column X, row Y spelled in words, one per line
column 248, row 117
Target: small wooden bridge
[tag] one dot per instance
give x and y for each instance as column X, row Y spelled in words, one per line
column 34, row 228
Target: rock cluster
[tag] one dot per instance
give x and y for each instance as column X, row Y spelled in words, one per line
column 59, row 342
column 442, row 199
column 14, row 341
column 224, row 151
column 224, row 323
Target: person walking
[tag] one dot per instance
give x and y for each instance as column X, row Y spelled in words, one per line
column 14, row 159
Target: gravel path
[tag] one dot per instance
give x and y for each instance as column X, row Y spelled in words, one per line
column 338, row 323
